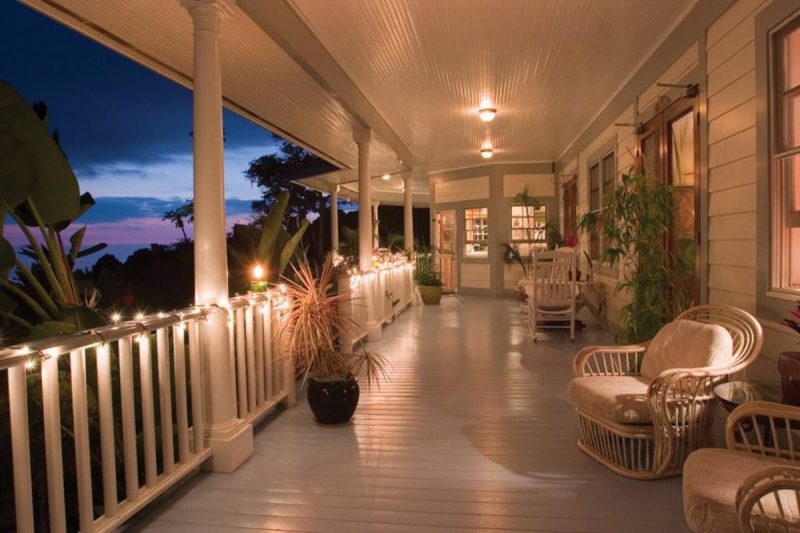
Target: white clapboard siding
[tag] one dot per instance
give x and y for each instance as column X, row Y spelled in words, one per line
column 475, row 275
column 731, row 155
column 462, row 190
column 538, row 184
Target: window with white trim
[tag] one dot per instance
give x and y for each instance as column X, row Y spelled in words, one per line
column 476, row 232
column 785, row 156
column 602, row 173
column 529, row 228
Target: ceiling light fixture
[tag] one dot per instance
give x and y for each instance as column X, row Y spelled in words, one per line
column 487, row 111
column 386, row 177
column 487, row 150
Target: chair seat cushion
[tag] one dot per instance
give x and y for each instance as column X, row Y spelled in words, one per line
column 620, row 399
column 687, row 344
column 711, row 478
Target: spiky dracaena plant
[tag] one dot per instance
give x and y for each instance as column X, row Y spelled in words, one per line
column 634, row 221
column 314, row 327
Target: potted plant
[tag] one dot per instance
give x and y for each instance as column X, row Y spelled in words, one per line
column 428, row 280
column 313, row 328
column 633, row 220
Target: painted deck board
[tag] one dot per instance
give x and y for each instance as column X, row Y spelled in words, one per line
column 474, row 432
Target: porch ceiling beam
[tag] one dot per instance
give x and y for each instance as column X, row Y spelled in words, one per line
column 283, row 25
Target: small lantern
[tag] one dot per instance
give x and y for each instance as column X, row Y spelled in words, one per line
column 258, row 283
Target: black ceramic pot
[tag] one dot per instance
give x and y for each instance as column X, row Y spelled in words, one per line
column 333, row 402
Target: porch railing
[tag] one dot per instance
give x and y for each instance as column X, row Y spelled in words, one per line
column 390, row 289
column 128, row 400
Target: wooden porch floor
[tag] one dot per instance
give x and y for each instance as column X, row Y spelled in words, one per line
column 473, row 433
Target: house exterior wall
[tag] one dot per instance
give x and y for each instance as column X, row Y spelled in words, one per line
column 492, row 186
column 723, row 52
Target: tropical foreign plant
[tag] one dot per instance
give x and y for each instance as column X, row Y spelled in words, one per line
column 314, row 327
column 180, row 216
column 634, row 221
column 40, row 192
column 271, row 243
column 426, row 273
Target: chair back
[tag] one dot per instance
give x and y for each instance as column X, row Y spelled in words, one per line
column 554, row 278
column 745, row 330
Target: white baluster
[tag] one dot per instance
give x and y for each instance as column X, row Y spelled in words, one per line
column 266, row 317
column 179, row 353
column 80, row 424
column 241, row 363
column 20, row 448
column 148, row 410
column 251, row 357
column 259, row 340
column 106, row 407
column 196, row 368
column 52, row 445
column 128, row 419
column 165, row 400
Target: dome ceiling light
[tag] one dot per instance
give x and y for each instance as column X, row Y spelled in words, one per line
column 487, row 150
column 487, row 111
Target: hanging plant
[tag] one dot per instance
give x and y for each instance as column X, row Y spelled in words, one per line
column 634, row 222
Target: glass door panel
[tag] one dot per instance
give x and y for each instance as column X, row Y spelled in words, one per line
column 447, row 249
column 683, row 175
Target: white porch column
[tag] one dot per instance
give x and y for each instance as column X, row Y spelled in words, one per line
column 335, row 218
column 376, row 236
column 230, row 438
column 408, row 213
column 363, row 136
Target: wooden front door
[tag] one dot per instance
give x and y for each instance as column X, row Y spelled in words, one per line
column 670, row 145
column 570, row 202
column 447, row 249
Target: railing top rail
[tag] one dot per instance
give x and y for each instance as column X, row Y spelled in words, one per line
column 19, row 354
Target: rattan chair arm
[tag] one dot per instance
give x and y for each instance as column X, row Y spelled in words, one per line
column 765, row 486
column 750, row 422
column 609, row 360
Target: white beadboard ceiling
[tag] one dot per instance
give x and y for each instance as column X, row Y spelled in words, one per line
column 547, row 65
column 418, row 69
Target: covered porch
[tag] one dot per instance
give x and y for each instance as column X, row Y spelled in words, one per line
column 473, row 432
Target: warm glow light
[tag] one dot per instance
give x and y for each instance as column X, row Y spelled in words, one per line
column 258, row 272
column 386, row 177
column 487, row 113
column 487, row 150
column 115, row 318
column 139, row 317
column 30, row 364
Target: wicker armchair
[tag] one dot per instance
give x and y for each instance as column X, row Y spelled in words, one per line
column 641, row 420
column 754, row 484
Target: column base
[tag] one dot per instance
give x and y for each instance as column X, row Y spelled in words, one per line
column 230, row 449
column 374, row 332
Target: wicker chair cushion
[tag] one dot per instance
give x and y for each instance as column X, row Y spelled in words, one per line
column 687, row 344
column 621, row 399
column 711, row 478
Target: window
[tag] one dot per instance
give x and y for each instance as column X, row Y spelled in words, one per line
column 528, row 228
column 601, row 182
column 785, row 154
column 476, row 232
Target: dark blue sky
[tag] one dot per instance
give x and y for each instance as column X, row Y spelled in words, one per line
column 124, row 128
